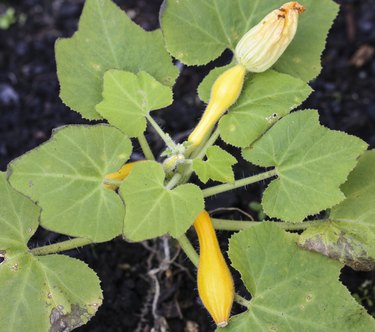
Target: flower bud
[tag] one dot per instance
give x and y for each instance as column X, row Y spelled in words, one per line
column 263, row 45
column 215, row 283
column 172, row 162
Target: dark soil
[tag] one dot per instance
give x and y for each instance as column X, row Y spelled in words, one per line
column 30, row 108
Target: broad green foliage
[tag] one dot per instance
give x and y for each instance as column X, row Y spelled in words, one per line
column 311, row 161
column 46, row 294
column 217, row 167
column 198, row 31
column 107, row 39
column 291, row 289
column 18, row 217
column 129, row 97
column 349, row 236
column 153, row 210
column 65, row 176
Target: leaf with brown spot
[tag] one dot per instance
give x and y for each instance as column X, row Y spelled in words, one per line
column 350, row 235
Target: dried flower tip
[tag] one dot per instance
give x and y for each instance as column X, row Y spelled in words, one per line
column 263, row 45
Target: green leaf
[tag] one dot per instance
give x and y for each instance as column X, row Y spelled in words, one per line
column 129, row 97
column 153, row 210
column 65, row 176
column 19, row 217
column 349, row 235
column 291, row 289
column 198, row 31
column 47, row 294
column 265, row 99
column 311, row 161
column 217, row 167
column 107, row 39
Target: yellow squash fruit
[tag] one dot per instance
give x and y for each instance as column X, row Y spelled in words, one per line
column 224, row 94
column 263, row 45
column 215, row 283
column 120, row 175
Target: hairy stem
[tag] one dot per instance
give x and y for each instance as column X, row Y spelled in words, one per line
column 145, row 147
column 238, row 225
column 113, row 182
column 61, row 246
column 241, row 300
column 165, row 137
column 189, row 250
column 174, row 181
column 238, row 183
column 200, row 153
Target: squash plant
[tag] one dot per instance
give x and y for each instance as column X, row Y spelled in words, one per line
column 76, row 184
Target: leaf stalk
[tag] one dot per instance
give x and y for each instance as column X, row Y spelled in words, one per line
column 238, row 183
column 61, row 246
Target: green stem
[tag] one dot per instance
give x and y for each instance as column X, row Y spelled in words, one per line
column 174, row 181
column 61, row 246
column 114, row 182
column 241, row 300
column 200, row 153
column 145, row 147
column 165, row 137
column 239, row 183
column 238, row 225
column 189, row 250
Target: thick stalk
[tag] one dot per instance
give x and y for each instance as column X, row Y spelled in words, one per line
column 165, row 137
column 241, row 300
column 200, row 153
column 61, row 246
column 238, row 184
column 189, row 250
column 174, row 181
column 145, row 147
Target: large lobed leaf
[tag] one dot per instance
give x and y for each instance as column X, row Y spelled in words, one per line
column 129, row 97
column 65, row 176
column 152, row 209
column 349, row 234
column 198, row 31
column 45, row 294
column 291, row 289
column 107, row 39
column 311, row 162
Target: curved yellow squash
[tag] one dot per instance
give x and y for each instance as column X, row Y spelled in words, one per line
column 215, row 283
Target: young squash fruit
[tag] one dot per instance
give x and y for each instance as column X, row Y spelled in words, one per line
column 224, row 94
column 215, row 283
column 121, row 174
